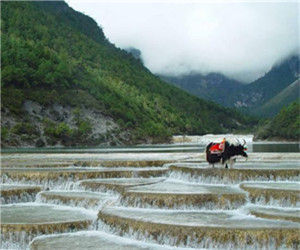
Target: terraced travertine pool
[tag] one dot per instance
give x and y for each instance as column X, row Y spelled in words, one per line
column 144, row 200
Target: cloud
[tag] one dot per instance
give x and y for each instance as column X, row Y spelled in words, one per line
column 239, row 39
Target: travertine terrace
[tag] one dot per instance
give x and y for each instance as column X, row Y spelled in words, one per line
column 144, row 200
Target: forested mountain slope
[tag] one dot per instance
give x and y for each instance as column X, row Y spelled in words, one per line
column 284, row 98
column 251, row 97
column 64, row 83
column 285, row 125
column 272, row 83
column 214, row 87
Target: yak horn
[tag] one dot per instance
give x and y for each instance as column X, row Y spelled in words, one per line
column 244, row 142
column 237, row 140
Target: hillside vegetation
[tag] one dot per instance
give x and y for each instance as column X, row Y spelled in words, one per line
column 57, row 65
column 258, row 97
column 273, row 82
column 284, row 98
column 285, row 125
column 214, row 87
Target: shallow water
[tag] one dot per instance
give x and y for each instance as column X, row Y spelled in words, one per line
column 293, row 186
column 275, row 147
column 197, row 219
column 173, row 187
column 181, row 207
column 8, row 187
column 28, row 213
column 165, row 148
column 246, row 165
column 94, row 240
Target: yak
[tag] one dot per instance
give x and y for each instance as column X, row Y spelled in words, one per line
column 229, row 154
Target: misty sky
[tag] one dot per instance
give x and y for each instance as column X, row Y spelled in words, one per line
column 239, row 39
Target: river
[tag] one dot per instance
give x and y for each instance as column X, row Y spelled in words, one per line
column 150, row 197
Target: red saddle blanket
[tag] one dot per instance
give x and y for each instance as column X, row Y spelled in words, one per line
column 217, row 148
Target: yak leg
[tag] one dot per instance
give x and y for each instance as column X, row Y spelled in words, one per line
column 223, row 161
column 231, row 162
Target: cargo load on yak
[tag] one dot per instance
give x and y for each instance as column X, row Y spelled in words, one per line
column 218, row 148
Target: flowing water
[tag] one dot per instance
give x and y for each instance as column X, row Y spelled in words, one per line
column 149, row 197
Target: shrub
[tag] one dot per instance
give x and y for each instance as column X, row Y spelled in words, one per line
column 77, row 116
column 25, row 128
column 84, row 129
column 84, row 126
column 49, row 127
column 4, row 133
column 12, row 98
column 56, row 130
column 63, row 130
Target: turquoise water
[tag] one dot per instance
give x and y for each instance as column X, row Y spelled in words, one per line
column 115, row 149
column 166, row 148
column 276, row 147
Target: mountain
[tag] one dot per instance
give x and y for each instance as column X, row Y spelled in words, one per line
column 275, row 104
column 272, row 83
column 285, row 125
column 64, row 83
column 215, row 87
column 231, row 93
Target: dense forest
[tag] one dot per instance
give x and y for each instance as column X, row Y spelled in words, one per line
column 53, row 55
column 285, row 125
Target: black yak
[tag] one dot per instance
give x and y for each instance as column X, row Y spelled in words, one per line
column 229, row 154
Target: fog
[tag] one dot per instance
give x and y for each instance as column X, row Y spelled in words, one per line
column 242, row 40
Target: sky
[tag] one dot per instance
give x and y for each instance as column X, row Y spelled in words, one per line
column 239, row 39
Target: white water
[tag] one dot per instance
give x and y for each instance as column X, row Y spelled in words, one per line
column 59, row 184
column 239, row 211
column 187, row 177
column 191, row 243
column 205, row 139
column 24, row 197
column 20, row 240
column 113, row 239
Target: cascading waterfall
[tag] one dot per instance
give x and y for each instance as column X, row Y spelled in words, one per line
column 24, row 197
column 227, row 179
column 147, row 196
column 60, row 183
column 192, row 240
column 48, row 220
column 261, row 200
